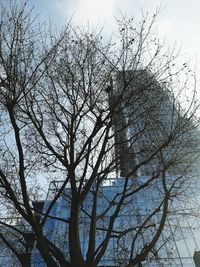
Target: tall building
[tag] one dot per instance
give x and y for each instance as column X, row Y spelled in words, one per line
column 153, row 116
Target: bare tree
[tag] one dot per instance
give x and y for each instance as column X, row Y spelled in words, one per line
column 87, row 111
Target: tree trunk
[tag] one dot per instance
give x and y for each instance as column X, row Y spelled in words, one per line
column 76, row 256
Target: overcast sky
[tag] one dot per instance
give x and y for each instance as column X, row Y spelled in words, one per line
column 179, row 20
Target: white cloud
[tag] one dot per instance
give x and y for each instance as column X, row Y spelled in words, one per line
column 84, row 11
column 179, row 19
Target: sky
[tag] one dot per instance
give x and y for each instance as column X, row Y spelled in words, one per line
column 178, row 20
